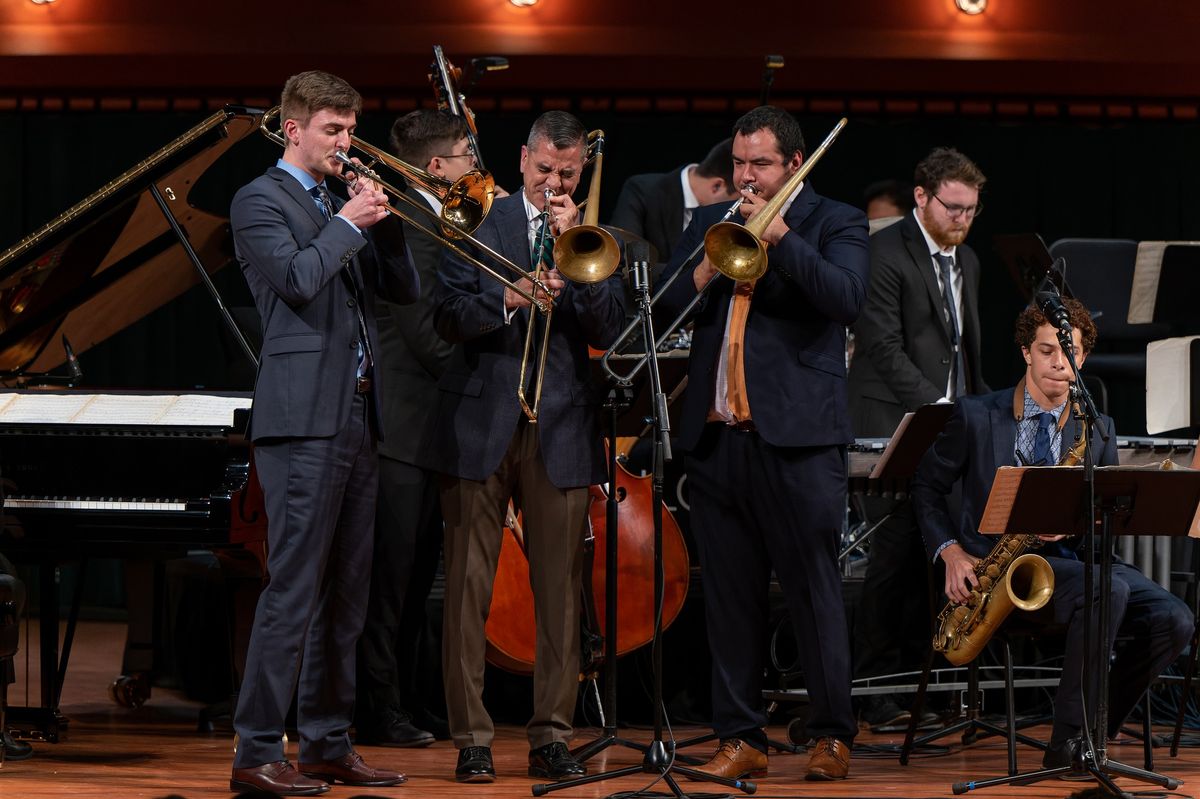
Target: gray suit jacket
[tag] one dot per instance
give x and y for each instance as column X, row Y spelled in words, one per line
column 299, row 268
column 477, row 411
column 902, row 340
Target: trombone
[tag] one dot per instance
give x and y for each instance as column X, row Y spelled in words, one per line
column 586, row 253
column 465, row 204
column 735, row 251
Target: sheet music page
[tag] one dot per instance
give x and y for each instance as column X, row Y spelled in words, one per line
column 202, row 409
column 5, row 399
column 1000, row 500
column 123, row 409
column 891, row 446
column 42, row 408
column 1146, row 268
column 1168, row 384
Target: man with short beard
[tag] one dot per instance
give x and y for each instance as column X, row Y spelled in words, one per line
column 915, row 343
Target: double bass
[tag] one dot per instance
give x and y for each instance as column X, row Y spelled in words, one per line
column 511, row 629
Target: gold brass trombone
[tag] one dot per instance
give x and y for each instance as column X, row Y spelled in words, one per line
column 737, row 251
column 465, row 204
column 586, row 253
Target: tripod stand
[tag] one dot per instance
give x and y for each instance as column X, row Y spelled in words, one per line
column 658, row 758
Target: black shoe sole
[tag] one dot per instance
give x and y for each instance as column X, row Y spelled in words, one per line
column 543, row 774
column 468, row 778
column 246, row 787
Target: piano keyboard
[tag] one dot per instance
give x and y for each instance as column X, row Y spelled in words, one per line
column 102, row 504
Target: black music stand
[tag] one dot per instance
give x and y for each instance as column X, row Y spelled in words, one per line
column 1127, row 501
column 898, row 463
column 658, row 759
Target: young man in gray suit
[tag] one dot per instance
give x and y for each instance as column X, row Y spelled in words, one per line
column 490, row 452
column 314, row 266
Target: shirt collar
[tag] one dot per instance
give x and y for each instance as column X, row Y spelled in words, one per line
column 1032, row 409
column 306, row 180
column 433, row 201
column 787, row 204
column 934, row 249
column 689, row 197
column 531, row 213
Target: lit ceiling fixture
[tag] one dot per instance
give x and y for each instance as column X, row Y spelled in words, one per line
column 523, row 3
column 42, row 2
column 971, row 7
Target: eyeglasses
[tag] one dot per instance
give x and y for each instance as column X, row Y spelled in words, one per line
column 459, row 155
column 955, row 211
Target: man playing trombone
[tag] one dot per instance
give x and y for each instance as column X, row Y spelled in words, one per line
column 491, row 452
column 764, row 425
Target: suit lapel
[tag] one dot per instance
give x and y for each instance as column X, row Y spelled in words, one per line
column 1004, row 431
column 918, row 250
column 802, row 207
column 293, row 189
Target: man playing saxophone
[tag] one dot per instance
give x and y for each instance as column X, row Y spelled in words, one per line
column 1032, row 424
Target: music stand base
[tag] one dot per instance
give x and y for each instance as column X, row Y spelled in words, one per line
column 1102, row 774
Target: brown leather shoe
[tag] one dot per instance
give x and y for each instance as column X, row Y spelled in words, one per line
column 350, row 769
column 830, row 760
column 279, row 778
column 736, row 759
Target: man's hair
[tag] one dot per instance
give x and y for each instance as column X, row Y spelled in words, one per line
column 718, row 163
column 561, row 129
column 897, row 192
column 779, row 122
column 946, row 164
column 419, row 135
column 1032, row 318
column 309, row 92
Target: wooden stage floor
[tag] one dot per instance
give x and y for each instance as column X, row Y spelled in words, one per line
column 155, row 751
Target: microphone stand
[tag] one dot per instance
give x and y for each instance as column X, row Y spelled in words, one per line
column 659, row 759
column 1091, row 755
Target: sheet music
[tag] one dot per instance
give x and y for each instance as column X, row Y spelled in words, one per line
column 1168, row 384
column 193, row 410
column 1000, row 500
column 1146, row 269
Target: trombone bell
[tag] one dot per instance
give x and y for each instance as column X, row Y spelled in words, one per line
column 586, row 254
column 735, row 251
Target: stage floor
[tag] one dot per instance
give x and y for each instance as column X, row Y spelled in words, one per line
column 155, row 751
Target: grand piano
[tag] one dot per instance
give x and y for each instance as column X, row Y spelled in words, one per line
column 86, row 472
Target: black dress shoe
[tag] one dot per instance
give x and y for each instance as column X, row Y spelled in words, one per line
column 16, row 750
column 475, row 765
column 1066, row 755
column 554, row 762
column 393, row 727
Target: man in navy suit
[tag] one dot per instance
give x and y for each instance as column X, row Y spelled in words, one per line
column 766, row 461
column 1031, row 424
column 314, row 266
column 490, row 452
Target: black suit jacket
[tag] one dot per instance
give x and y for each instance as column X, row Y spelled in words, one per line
column 795, row 334
column 299, row 268
column 651, row 205
column 411, row 354
column 477, row 410
column 978, row 440
column 902, row 346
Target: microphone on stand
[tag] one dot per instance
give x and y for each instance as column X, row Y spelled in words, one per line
column 637, row 261
column 74, row 371
column 1050, row 302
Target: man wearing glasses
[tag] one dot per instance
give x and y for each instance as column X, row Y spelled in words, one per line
column 916, row 342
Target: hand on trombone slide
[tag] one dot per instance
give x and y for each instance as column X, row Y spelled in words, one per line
column 563, row 213
column 551, row 282
column 751, row 204
column 367, row 204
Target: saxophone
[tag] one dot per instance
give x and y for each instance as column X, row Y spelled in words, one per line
column 1009, row 577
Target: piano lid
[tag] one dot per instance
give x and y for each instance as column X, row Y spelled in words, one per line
column 113, row 258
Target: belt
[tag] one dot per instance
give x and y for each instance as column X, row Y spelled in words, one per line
column 362, row 385
column 746, row 426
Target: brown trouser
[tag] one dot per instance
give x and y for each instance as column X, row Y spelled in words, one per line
column 554, row 529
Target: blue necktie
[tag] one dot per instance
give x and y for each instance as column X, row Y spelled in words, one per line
column 1041, row 442
column 958, row 367
column 323, row 199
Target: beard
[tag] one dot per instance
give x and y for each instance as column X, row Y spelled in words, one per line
column 948, row 234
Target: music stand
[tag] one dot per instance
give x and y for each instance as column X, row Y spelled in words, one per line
column 658, row 759
column 1027, row 261
column 1166, row 279
column 1125, row 501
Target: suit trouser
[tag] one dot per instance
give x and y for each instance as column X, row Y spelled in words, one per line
column 754, row 507
column 1159, row 623
column 554, row 528
column 320, row 501
column 408, row 540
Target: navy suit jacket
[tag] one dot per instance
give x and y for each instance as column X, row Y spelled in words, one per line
column 299, row 267
column 902, row 345
column 651, row 205
column 796, row 331
column 477, row 410
column 979, row 438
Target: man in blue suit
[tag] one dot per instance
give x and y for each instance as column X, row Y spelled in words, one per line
column 764, row 424
column 314, row 266
column 1031, row 424
column 490, row 452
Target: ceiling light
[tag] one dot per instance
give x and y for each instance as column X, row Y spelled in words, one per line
column 971, row 6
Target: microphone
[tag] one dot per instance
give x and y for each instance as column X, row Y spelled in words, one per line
column 73, row 368
column 1050, row 302
column 637, row 259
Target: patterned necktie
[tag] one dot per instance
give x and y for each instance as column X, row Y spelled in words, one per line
column 543, row 246
column 958, row 367
column 323, row 199
column 736, row 397
column 1041, row 442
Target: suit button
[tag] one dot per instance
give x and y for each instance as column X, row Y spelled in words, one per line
column 945, row 361
column 350, row 303
column 354, row 345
